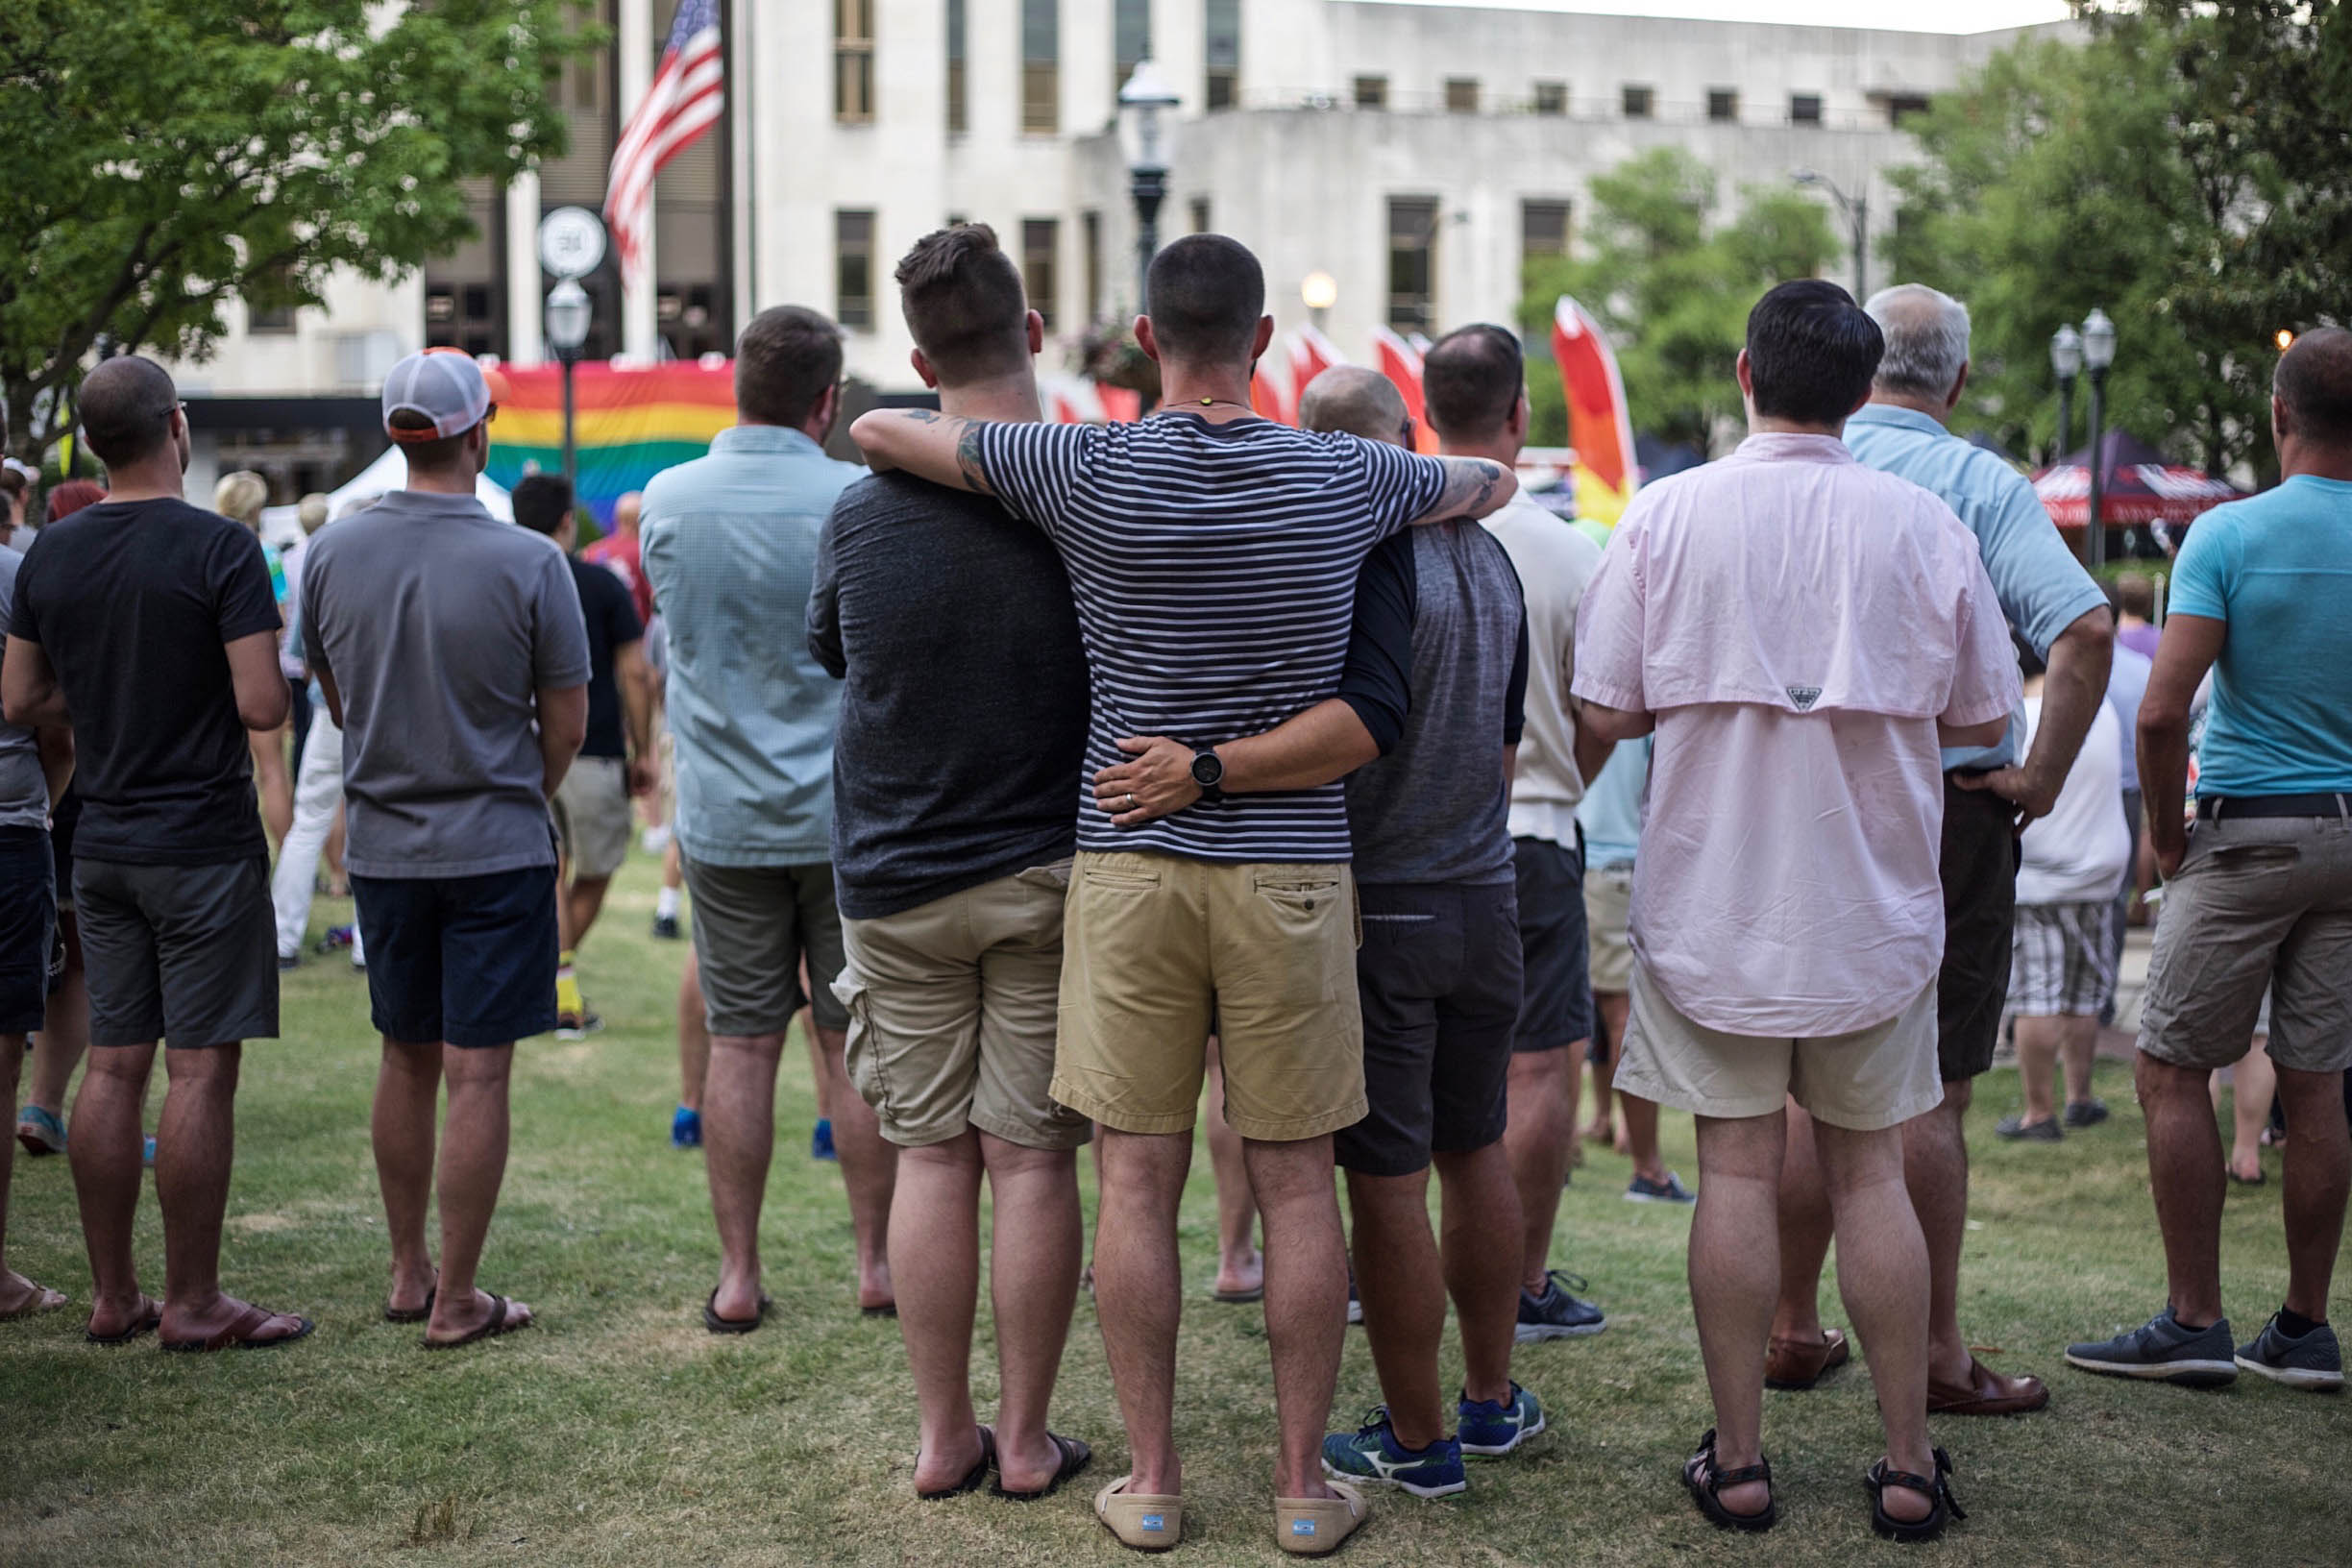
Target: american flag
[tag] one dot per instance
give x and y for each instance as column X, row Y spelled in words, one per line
column 685, row 99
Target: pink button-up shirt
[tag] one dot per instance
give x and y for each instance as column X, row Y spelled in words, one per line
column 1798, row 624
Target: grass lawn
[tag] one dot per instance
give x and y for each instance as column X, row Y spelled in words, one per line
column 619, row 1432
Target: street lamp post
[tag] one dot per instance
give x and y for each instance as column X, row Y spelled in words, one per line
column 2099, row 342
column 1856, row 210
column 1318, row 292
column 568, row 312
column 2065, row 362
column 1146, row 94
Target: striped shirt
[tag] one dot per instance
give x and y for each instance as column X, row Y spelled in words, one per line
column 1214, row 569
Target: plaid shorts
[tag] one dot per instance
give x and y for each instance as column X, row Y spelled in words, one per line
column 2058, row 962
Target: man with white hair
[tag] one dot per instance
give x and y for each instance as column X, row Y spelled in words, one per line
column 1990, row 794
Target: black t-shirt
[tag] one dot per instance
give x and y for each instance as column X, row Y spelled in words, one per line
column 132, row 602
column 612, row 624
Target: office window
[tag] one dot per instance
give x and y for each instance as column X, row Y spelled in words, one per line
column 1551, row 97
column 1039, row 236
column 1412, row 273
column 1371, row 92
column 1130, row 40
column 1461, row 94
column 853, row 240
column 853, row 78
column 1089, row 226
column 959, row 107
column 1804, row 108
column 1041, row 66
column 1723, row 104
column 1200, row 215
column 1639, row 100
column 1903, row 105
column 1543, row 229
column 1224, row 53
column 266, row 315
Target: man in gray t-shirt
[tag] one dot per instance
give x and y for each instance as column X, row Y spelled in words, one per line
column 451, row 650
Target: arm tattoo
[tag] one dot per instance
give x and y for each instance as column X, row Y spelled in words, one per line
column 1469, row 487
column 967, row 458
column 924, row 416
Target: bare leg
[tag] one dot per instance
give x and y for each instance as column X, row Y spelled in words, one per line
column 1541, row 1113
column 16, row 1293
column 473, row 1168
column 1602, row 1129
column 694, row 1036
column 2077, row 1050
column 1735, row 1278
column 2185, row 1172
column 1641, row 1125
column 338, row 881
column 1402, row 1289
column 583, row 901
column 934, row 1256
column 1882, row 1278
column 1139, row 1292
column 817, row 1075
column 195, row 1147
column 65, row 1033
column 408, row 1103
column 2037, row 1049
column 1616, row 1010
column 1805, row 1227
column 1035, row 1238
column 1306, row 1304
column 739, row 1140
column 2253, row 1086
column 870, row 1167
column 1240, row 1267
column 1935, row 1164
column 2319, row 1168
column 104, row 1151
column 1481, row 1226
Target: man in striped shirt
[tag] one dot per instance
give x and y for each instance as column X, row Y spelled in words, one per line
column 1214, row 557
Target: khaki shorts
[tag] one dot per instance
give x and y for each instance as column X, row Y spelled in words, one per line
column 1870, row 1079
column 1155, row 945
column 2257, row 902
column 753, row 927
column 1609, row 906
column 592, row 815
column 951, row 1013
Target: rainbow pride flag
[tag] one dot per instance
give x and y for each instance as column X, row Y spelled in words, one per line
column 628, row 424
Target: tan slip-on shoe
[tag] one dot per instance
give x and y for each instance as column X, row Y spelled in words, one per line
column 1314, row 1526
column 1143, row 1520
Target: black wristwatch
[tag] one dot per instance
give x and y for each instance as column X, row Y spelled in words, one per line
column 1208, row 771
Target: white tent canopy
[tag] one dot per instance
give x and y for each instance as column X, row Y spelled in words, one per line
column 283, row 524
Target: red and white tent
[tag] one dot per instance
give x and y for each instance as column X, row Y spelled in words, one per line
column 2137, row 486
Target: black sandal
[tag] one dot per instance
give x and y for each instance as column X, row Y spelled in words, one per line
column 1706, row 1484
column 973, row 1477
column 1075, row 1455
column 1937, row 1491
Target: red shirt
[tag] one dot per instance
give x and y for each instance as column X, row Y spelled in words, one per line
column 617, row 553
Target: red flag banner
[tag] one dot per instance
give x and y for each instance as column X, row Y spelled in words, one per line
column 1599, row 425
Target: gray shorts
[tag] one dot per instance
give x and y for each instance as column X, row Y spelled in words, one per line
column 592, row 815
column 2258, row 901
column 2058, row 963
column 753, row 927
column 184, row 954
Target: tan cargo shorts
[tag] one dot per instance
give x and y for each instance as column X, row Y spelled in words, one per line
column 1609, row 909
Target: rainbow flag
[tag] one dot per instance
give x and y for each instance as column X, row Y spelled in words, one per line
column 627, row 424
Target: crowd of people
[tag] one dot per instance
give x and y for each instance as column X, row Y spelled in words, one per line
column 1060, row 770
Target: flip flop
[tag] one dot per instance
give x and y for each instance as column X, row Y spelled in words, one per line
column 712, row 1321
column 414, row 1315
column 147, row 1322
column 885, row 1309
column 973, row 1477
column 1075, row 1458
column 238, row 1336
column 491, row 1328
column 41, row 1302
column 1146, row 1521
column 1238, row 1298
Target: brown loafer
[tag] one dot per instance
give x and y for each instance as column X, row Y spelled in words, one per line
column 1986, row 1393
column 1793, row 1365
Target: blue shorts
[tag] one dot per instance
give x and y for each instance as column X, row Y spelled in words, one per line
column 469, row 960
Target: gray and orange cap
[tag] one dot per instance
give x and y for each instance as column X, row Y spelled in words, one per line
column 443, row 386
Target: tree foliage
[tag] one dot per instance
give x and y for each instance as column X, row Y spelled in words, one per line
column 160, row 156
column 1672, row 279
column 2189, row 170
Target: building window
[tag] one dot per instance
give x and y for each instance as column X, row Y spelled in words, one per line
column 1804, row 108
column 853, row 78
column 1089, row 227
column 1723, row 104
column 1040, row 238
column 1902, row 106
column 1639, row 101
column 1130, row 40
column 1371, row 92
column 1200, row 215
column 853, row 236
column 1461, row 94
column 1543, row 229
column 266, row 316
column 1551, row 97
column 1041, row 66
column 1412, row 273
column 958, row 111
column 1224, row 53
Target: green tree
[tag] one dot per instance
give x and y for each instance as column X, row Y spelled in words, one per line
column 1672, row 282
column 160, row 156
column 2186, row 170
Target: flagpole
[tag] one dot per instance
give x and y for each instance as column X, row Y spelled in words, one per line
column 634, row 45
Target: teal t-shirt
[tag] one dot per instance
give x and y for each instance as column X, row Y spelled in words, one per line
column 2278, row 569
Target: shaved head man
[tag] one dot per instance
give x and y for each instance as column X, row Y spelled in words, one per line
column 1358, row 401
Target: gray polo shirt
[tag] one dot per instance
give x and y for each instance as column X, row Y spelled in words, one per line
column 439, row 624
column 24, row 790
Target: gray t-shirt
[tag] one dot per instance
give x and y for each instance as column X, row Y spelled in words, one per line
column 24, row 790
column 439, row 624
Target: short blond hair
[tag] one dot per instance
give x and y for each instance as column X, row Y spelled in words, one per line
column 239, row 497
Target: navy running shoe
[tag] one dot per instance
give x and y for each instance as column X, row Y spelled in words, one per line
column 1371, row 1454
column 1490, row 1430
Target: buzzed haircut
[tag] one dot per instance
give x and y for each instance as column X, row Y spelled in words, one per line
column 2135, row 594
column 1471, row 380
column 127, row 405
column 783, row 363
column 964, row 304
column 1356, row 399
column 1205, row 295
column 2313, row 380
column 1811, row 353
column 542, row 502
column 436, row 454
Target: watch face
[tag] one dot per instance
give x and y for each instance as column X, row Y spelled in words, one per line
column 1208, row 767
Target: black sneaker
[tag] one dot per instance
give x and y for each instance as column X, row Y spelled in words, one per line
column 2018, row 1130
column 578, row 1025
column 666, row 927
column 2165, row 1352
column 288, row 961
column 2086, row 1112
column 2314, row 1362
column 1556, row 1313
column 1642, row 1189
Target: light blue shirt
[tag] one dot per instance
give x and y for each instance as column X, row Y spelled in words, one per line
column 1610, row 812
column 2042, row 588
column 2278, row 569
column 730, row 545
column 2127, row 681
